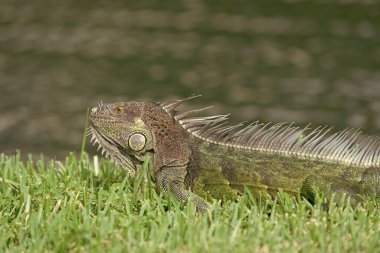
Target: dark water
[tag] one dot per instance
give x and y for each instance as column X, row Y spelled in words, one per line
column 301, row 61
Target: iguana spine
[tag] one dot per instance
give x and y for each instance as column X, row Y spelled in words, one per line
column 281, row 138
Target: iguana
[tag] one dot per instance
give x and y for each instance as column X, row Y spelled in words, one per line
column 201, row 157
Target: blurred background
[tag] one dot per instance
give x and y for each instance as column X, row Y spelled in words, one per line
column 283, row 60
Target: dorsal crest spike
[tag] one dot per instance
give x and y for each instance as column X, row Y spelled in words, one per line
column 192, row 112
column 170, row 106
column 347, row 147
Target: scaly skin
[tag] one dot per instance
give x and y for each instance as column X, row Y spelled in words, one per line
column 223, row 172
column 189, row 166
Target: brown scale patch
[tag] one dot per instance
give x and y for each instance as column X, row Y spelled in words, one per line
column 170, row 139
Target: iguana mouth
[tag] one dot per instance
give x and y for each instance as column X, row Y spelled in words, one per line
column 113, row 150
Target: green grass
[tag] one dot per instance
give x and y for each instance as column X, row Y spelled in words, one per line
column 49, row 206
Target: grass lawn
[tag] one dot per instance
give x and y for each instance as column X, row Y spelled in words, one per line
column 50, row 206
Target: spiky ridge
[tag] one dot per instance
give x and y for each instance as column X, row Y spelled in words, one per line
column 347, row 147
column 97, row 140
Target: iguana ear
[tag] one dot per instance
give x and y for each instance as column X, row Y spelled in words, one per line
column 138, row 141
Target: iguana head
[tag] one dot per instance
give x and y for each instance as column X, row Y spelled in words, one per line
column 130, row 131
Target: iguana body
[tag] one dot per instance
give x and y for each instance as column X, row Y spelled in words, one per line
column 200, row 157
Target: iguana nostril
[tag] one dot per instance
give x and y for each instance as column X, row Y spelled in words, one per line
column 94, row 109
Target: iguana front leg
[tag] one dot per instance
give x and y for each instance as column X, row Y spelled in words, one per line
column 172, row 179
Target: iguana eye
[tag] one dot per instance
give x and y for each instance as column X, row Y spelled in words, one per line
column 137, row 141
column 119, row 109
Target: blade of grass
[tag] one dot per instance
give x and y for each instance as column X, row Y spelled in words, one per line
column 139, row 179
column 84, row 137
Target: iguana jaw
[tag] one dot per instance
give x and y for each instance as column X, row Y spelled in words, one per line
column 113, row 150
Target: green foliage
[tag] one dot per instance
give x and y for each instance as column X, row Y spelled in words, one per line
column 48, row 205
